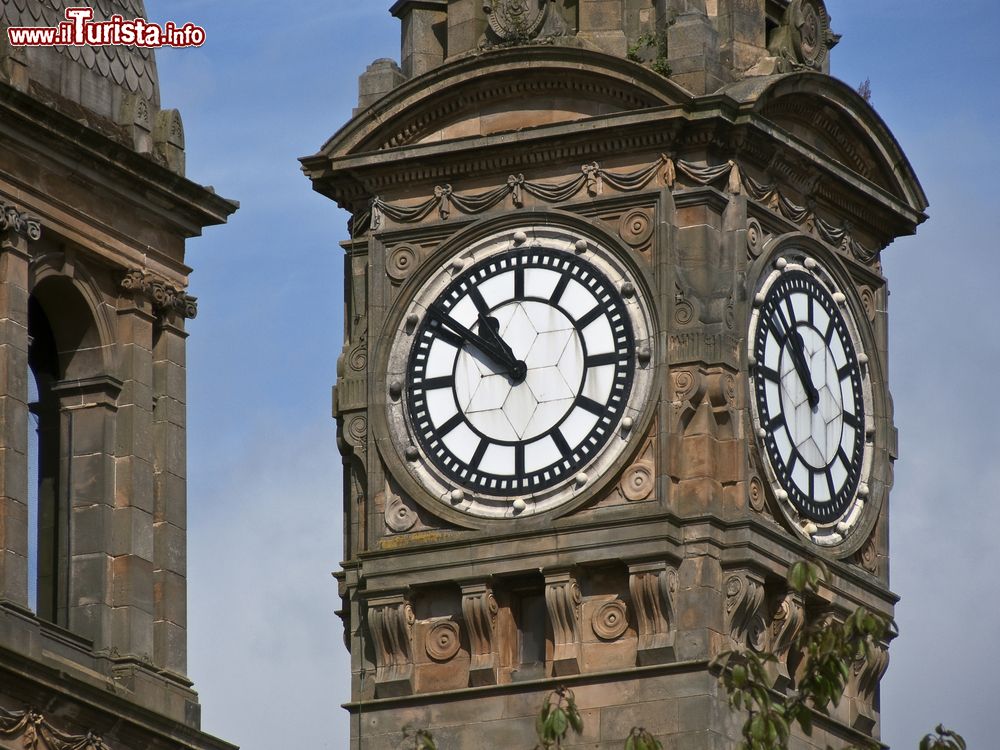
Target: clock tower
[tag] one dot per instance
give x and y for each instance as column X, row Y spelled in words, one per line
column 615, row 357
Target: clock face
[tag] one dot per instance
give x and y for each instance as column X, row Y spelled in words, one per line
column 809, row 395
column 520, row 371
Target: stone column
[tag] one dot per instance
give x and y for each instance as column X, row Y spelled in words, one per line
column 16, row 230
column 170, row 491
column 693, row 47
column 87, row 522
column 132, row 542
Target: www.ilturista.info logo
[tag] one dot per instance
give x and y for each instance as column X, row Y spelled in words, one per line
column 79, row 29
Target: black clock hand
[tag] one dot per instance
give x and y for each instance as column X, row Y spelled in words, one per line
column 519, row 370
column 798, row 349
column 487, row 347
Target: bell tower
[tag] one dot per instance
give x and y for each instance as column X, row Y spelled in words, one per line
column 94, row 214
column 615, row 357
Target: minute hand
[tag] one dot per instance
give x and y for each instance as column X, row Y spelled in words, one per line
column 487, row 347
column 797, row 347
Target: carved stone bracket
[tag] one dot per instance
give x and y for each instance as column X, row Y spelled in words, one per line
column 390, row 620
column 786, row 624
column 563, row 599
column 479, row 608
column 746, row 611
column 653, row 587
column 164, row 296
column 35, row 731
column 866, row 675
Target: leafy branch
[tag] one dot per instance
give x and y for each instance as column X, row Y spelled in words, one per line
column 556, row 719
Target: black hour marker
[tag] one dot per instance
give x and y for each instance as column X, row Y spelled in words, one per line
column 775, row 423
column 812, row 315
column 590, row 405
column 518, row 283
column 852, row 420
column 829, row 481
column 560, row 441
column 589, row 317
column 557, row 293
column 831, row 329
column 451, row 424
column 477, row 299
column 477, row 457
column 845, row 371
column 431, row 384
column 598, row 360
column 768, row 373
column 519, row 460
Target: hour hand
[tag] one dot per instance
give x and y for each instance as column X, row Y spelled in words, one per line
column 484, row 344
column 488, row 327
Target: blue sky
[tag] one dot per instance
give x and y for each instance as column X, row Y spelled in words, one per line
column 271, row 84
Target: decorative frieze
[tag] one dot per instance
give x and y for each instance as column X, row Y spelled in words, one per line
column 390, row 621
column 480, row 608
column 563, row 600
column 33, row 730
column 653, row 587
column 162, row 295
column 592, row 178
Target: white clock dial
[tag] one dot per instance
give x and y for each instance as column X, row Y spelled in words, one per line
column 809, row 394
column 519, row 370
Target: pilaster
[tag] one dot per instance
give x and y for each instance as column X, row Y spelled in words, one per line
column 170, row 495
column 17, row 230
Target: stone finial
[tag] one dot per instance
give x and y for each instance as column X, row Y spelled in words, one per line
column 381, row 77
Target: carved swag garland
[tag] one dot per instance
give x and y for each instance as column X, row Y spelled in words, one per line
column 36, row 733
column 593, row 177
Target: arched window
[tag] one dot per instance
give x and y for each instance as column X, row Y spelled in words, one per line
column 47, row 526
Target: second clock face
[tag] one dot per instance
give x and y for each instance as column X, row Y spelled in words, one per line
column 520, row 371
column 809, row 396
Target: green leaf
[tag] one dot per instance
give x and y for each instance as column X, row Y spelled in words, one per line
column 797, row 577
column 575, row 720
column 559, row 722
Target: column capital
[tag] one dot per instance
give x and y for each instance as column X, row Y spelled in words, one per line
column 164, row 296
column 17, row 228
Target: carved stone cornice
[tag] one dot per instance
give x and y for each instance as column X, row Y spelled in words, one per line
column 480, row 608
column 653, row 587
column 36, row 732
column 563, row 600
column 163, row 296
column 390, row 622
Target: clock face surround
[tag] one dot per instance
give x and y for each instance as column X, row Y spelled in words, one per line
column 520, row 377
column 811, row 398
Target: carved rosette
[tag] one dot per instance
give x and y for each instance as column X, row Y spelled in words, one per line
column 442, row 641
column 758, row 502
column 868, row 302
column 636, row 228
column 390, row 620
column 401, row 262
column 638, row 481
column 399, row 517
column 652, row 587
column 745, row 611
column 163, row 296
column 755, row 238
column 563, row 599
column 479, row 609
column 610, row 620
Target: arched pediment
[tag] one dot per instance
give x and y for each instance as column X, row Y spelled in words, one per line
column 830, row 117
column 505, row 91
